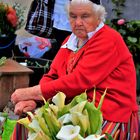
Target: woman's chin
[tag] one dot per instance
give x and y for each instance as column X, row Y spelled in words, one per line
column 81, row 35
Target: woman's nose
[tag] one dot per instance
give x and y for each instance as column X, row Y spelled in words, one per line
column 78, row 21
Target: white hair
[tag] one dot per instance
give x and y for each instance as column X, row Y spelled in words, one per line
column 98, row 9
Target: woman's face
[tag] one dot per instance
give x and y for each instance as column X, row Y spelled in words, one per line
column 83, row 20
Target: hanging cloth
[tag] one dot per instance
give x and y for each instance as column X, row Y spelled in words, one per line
column 39, row 20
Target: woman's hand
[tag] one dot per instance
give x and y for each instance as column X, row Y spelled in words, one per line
column 24, row 106
column 23, row 94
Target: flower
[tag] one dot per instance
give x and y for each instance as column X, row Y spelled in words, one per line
column 95, row 137
column 121, row 21
column 57, row 98
column 68, row 132
column 11, row 18
column 78, row 120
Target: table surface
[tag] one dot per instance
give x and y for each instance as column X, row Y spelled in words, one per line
column 13, row 67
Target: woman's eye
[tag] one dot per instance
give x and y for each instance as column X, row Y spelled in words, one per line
column 72, row 16
column 85, row 16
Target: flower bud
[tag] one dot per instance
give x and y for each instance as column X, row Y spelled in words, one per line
column 120, row 21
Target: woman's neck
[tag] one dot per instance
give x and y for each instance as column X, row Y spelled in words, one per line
column 81, row 42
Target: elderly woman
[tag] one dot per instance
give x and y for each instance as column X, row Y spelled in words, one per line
column 94, row 55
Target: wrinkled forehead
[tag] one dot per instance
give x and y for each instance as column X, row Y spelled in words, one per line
column 93, row 1
column 80, row 2
column 80, row 6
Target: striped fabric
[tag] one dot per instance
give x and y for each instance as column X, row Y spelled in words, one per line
column 119, row 131
column 19, row 133
column 123, row 131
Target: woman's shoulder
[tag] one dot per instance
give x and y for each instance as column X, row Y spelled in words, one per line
column 108, row 35
column 110, row 32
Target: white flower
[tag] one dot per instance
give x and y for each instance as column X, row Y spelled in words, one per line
column 79, row 107
column 32, row 136
column 65, row 118
column 35, row 125
column 80, row 119
column 54, row 108
column 68, row 132
column 94, row 137
column 59, row 100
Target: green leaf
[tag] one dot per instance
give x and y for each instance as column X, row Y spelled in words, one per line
column 132, row 39
column 77, row 99
column 95, row 118
column 8, row 129
column 3, row 60
column 109, row 137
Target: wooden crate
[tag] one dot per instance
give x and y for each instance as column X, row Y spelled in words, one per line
column 12, row 76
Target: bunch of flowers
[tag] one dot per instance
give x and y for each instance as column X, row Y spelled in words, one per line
column 11, row 18
column 78, row 120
